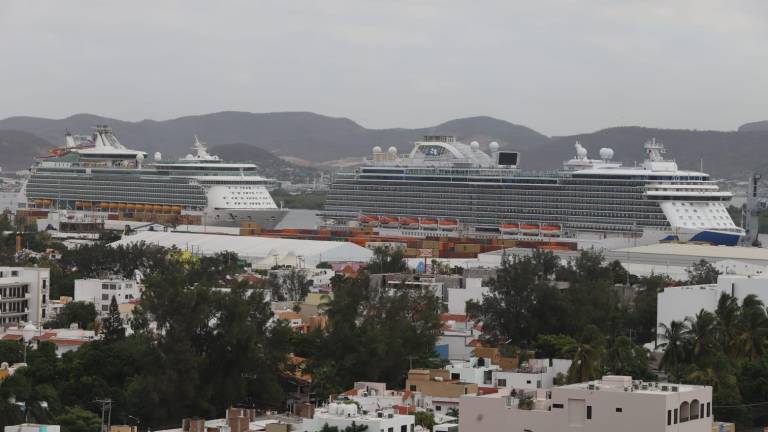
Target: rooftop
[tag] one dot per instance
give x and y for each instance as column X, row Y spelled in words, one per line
column 704, row 251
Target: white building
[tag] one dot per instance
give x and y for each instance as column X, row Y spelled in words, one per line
column 100, row 292
column 260, row 252
column 31, row 427
column 678, row 303
column 457, row 297
column 615, row 403
column 343, row 415
column 534, row 374
column 24, row 294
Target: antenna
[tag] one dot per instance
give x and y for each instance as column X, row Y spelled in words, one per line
column 106, row 408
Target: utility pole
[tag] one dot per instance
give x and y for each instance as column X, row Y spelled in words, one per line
column 106, row 411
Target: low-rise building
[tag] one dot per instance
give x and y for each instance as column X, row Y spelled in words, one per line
column 32, row 427
column 456, row 337
column 439, row 390
column 533, row 374
column 342, row 415
column 100, row 292
column 24, row 295
column 611, row 404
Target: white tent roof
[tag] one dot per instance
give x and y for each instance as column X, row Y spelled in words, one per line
column 260, row 251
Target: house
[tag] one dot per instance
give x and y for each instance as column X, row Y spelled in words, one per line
column 611, row 404
column 100, row 292
column 439, row 390
column 343, row 415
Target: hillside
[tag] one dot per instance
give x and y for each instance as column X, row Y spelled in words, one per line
column 305, row 135
column 724, row 154
column 759, row 126
column 269, row 165
column 18, row 149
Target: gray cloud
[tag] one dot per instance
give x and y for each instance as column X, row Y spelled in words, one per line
column 558, row 66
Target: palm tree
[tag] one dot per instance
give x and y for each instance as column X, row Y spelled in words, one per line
column 674, row 348
column 707, row 377
column 727, row 314
column 586, row 363
column 701, row 335
column 754, row 327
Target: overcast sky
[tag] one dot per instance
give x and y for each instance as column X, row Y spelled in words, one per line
column 559, row 67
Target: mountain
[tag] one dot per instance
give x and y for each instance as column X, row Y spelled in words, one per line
column 300, row 134
column 19, row 148
column 269, row 165
column 274, row 140
column 724, row 154
column 758, row 126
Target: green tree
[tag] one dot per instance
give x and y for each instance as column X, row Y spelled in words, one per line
column 587, row 356
column 506, row 311
column 81, row 313
column 113, row 328
column 674, row 345
column 701, row 273
column 425, row 419
column 754, row 327
column 387, row 261
column 76, row 419
column 701, row 336
column 627, row 358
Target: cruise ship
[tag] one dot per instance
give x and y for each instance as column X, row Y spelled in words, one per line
column 448, row 188
column 97, row 175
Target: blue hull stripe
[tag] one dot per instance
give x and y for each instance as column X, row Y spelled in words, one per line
column 716, row 238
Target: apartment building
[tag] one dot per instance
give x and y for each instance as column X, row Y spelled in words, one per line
column 614, row 403
column 343, row 415
column 100, row 292
column 24, row 294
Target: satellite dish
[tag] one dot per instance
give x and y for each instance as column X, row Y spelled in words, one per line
column 393, row 150
column 158, row 156
column 377, row 149
column 493, row 146
column 606, row 153
column 474, row 145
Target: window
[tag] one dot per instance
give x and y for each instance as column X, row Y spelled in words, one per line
column 675, row 417
column 105, row 296
column 669, row 417
column 589, row 412
column 404, row 428
column 105, row 308
column 391, row 429
column 438, row 408
column 413, row 387
column 501, row 382
column 455, row 376
column 708, row 412
column 528, row 381
column 619, row 410
column 558, row 406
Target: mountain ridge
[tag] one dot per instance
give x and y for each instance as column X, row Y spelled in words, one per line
column 317, row 138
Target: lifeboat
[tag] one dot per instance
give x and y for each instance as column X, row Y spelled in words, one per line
column 509, row 228
column 104, row 205
column 389, row 222
column 448, row 225
column 87, row 205
column 122, row 206
column 130, row 207
column 78, row 204
column 529, row 229
column 369, row 220
column 176, row 209
column 409, row 223
column 550, row 230
column 428, row 224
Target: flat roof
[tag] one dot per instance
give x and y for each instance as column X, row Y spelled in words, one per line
column 696, row 250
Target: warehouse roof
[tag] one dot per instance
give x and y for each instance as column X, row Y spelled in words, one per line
column 260, row 251
column 704, row 251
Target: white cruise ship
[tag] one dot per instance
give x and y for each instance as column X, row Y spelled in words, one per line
column 98, row 175
column 444, row 187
